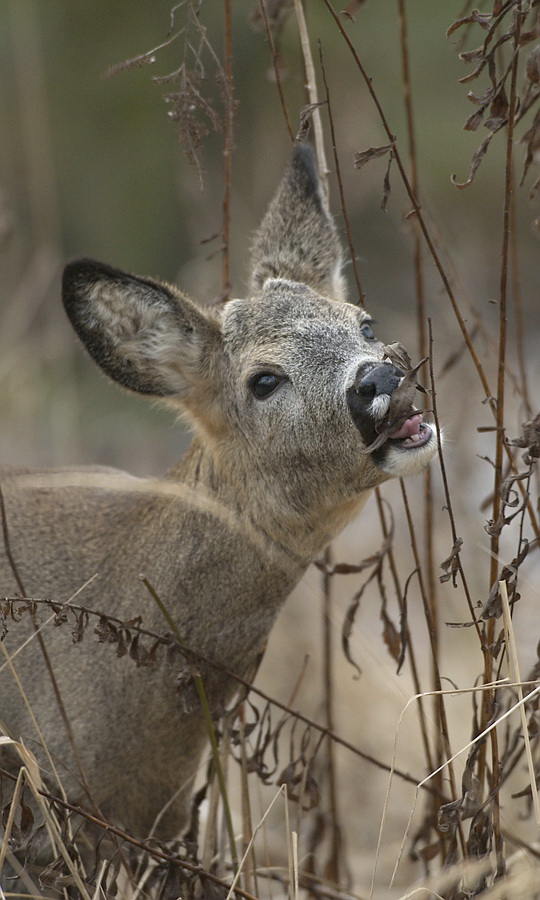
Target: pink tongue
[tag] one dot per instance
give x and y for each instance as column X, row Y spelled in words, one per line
column 410, row 426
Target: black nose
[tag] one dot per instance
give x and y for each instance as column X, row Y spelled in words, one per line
column 381, row 379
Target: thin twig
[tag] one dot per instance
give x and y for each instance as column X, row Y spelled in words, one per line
column 489, row 699
column 227, row 151
column 311, row 87
column 277, row 73
column 352, row 251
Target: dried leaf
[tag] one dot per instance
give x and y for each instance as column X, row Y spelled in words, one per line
column 448, row 815
column 293, row 776
column 348, row 623
column 476, row 18
column 474, row 120
column 306, row 115
column 531, row 139
column 533, row 65
column 397, row 354
column 475, row 162
column 451, row 564
column 386, row 183
column 403, row 623
column 81, row 623
column 498, row 112
column 472, row 55
column 391, row 636
column 364, row 156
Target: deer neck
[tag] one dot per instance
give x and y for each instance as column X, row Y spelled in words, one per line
column 270, row 514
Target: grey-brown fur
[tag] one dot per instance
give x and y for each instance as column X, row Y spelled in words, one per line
column 228, row 532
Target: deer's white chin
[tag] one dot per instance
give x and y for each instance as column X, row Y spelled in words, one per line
column 409, row 454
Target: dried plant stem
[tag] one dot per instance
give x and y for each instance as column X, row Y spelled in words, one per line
column 429, row 529
column 447, row 494
column 441, row 709
column 277, row 73
column 311, row 87
column 516, row 299
column 489, row 698
column 410, row 646
column 250, row 866
column 333, row 867
column 228, row 131
column 515, row 676
column 354, row 258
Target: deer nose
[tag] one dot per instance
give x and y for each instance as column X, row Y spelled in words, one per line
column 381, row 379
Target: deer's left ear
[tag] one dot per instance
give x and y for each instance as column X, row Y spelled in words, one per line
column 145, row 335
column 297, row 239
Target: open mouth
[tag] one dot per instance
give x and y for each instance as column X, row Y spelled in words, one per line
column 411, row 433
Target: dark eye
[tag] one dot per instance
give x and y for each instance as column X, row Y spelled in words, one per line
column 264, row 384
column 367, row 332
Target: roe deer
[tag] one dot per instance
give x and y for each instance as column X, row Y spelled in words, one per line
column 297, row 415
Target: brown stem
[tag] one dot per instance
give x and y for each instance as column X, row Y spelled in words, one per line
column 489, row 698
column 227, row 152
column 352, row 251
column 333, row 867
column 275, row 61
column 441, row 709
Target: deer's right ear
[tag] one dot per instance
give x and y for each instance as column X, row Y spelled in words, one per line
column 297, row 238
column 144, row 334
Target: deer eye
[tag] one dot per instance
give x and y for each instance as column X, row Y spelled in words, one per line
column 265, row 383
column 367, row 331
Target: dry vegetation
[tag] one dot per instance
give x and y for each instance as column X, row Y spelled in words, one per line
column 333, row 776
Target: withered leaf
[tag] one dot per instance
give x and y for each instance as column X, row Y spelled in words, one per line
column 348, row 623
column 293, row 776
column 533, row 65
column 397, row 354
column 498, row 111
column 475, row 162
column 306, row 115
column 451, row 564
column 386, row 184
column 531, row 140
column 81, row 622
column 364, row 156
column 105, row 630
column 475, row 18
column 474, row 120
column 448, row 815
column 391, row 636
column 529, row 438
column 468, row 56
